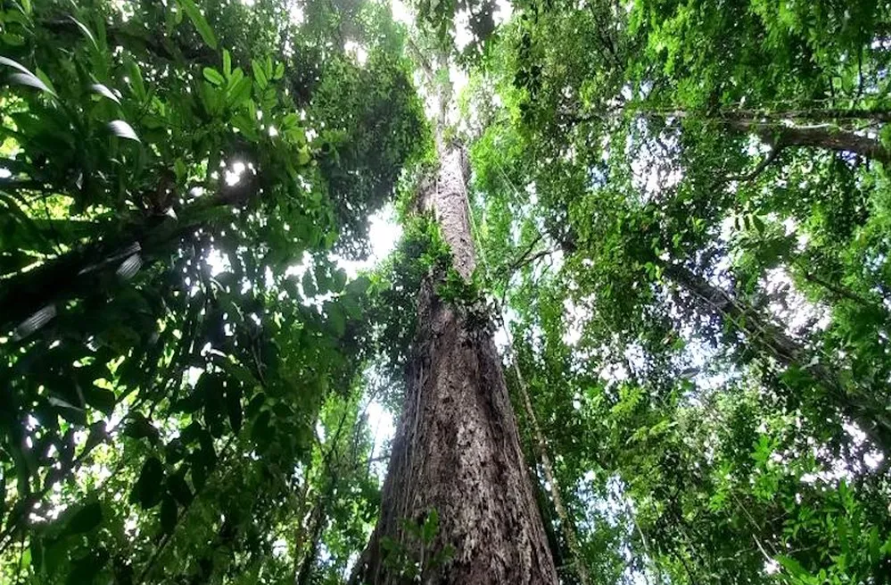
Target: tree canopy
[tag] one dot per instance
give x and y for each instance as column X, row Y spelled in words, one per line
column 682, row 212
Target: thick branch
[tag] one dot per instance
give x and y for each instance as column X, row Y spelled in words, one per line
column 72, row 275
column 824, row 137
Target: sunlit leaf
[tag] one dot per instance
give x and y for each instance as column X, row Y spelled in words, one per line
column 213, row 76
column 86, row 31
column 25, row 77
column 15, row 65
column 105, row 92
column 259, row 74
column 123, row 130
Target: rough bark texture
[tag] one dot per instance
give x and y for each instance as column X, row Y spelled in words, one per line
column 457, row 447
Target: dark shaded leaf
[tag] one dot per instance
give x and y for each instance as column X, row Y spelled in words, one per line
column 200, row 22
column 148, row 488
column 85, row 520
column 85, row 570
column 139, row 427
column 179, row 488
column 101, row 399
column 233, row 406
column 168, row 515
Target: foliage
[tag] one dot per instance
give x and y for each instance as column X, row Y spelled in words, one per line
column 421, row 564
column 165, row 371
column 672, row 229
column 681, row 210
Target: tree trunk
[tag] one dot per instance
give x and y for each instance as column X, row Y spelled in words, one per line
column 457, row 449
column 854, row 403
column 77, row 273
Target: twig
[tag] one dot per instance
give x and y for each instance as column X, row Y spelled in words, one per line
column 762, row 166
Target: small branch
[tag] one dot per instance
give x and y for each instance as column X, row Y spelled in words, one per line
column 840, row 291
column 762, row 166
column 418, row 56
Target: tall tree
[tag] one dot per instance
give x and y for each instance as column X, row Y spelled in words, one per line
column 458, row 505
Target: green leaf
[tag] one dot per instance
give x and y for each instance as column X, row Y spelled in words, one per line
column 134, row 77
column 227, row 63
column 15, row 65
column 792, row 566
column 358, row 286
column 148, row 489
column 179, row 167
column 234, row 79
column 85, row 570
column 139, row 427
column 199, row 474
column 213, row 76
column 105, row 92
column 12, row 39
column 207, row 454
column 83, row 28
column 339, row 278
column 247, row 126
column 262, row 432
column 336, row 317
column 233, row 406
column 309, row 285
column 430, row 527
column 85, row 520
column 240, row 93
column 101, row 399
column 200, row 23
column 179, row 489
column 25, row 77
column 259, row 74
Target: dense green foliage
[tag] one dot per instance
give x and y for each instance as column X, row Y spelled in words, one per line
column 175, row 400
column 709, row 176
column 682, row 210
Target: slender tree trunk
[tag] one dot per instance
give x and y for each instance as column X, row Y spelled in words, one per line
column 862, row 408
column 457, row 447
column 316, row 527
column 77, row 273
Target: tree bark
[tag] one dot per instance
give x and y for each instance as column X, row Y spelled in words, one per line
column 457, row 449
